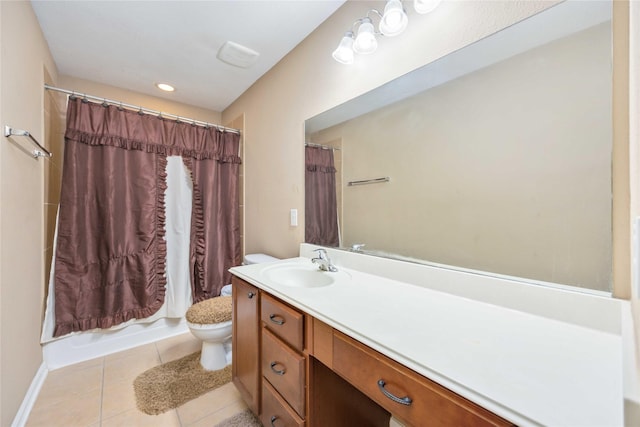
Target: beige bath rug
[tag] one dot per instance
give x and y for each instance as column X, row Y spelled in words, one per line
column 243, row 419
column 174, row 383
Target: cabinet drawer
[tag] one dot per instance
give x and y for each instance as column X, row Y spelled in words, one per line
column 381, row 379
column 285, row 322
column 285, row 370
column 275, row 411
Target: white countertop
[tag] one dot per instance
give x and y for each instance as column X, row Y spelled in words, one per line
column 529, row 369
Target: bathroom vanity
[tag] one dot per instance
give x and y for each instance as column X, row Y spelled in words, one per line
column 350, row 348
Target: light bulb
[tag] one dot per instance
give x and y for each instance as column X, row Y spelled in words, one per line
column 425, row 6
column 365, row 42
column 394, row 19
column 344, row 51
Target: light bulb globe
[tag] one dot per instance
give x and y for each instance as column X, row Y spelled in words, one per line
column 365, row 43
column 344, row 52
column 394, row 19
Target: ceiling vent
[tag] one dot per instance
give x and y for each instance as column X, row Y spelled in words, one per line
column 237, row 55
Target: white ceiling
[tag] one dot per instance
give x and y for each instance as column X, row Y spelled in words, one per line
column 135, row 44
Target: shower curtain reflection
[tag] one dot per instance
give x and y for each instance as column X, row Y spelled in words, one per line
column 321, row 210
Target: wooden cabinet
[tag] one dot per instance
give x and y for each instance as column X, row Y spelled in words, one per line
column 246, row 342
column 283, row 364
column 406, row 394
column 293, row 370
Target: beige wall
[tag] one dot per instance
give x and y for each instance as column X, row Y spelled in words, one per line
column 308, row 81
column 25, row 59
column 507, row 169
column 135, row 98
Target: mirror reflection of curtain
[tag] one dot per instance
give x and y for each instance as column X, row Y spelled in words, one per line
column 111, row 251
column 321, row 212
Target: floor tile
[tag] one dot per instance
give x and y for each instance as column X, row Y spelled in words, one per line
column 127, row 368
column 208, row 403
column 178, row 346
column 83, row 410
column 117, row 397
column 218, row 416
column 142, row 350
column 66, row 383
column 134, row 417
column 99, row 392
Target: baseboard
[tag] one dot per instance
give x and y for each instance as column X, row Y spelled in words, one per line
column 30, row 398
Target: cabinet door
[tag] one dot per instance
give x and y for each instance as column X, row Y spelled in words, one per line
column 246, row 342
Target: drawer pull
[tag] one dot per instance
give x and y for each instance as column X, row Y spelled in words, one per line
column 251, row 295
column 276, row 371
column 278, row 320
column 401, row 400
column 273, row 418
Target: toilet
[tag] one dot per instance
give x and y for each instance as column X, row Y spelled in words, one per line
column 210, row 322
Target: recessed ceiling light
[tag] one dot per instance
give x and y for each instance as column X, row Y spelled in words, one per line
column 165, row 87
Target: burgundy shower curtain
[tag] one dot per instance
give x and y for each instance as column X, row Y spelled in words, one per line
column 110, row 254
column 321, row 211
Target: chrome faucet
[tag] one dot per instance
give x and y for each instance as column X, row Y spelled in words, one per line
column 357, row 247
column 323, row 261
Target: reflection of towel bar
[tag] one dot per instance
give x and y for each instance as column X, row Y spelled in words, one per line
column 369, row 181
column 40, row 151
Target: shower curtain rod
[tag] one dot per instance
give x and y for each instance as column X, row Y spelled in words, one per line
column 324, row 147
column 141, row 109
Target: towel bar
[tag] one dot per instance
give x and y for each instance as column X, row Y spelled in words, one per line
column 40, row 151
column 369, row 181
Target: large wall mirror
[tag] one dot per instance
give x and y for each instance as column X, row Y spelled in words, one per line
column 498, row 155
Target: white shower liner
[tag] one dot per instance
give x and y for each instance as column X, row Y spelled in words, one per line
column 168, row 321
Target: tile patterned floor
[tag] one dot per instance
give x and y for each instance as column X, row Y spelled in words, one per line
column 99, row 392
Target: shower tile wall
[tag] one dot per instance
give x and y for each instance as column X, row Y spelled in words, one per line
column 238, row 123
column 55, row 123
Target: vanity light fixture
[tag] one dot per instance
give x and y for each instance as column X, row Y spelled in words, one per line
column 165, row 87
column 362, row 36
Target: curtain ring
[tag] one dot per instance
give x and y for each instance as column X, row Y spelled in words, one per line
column 178, row 119
column 194, row 123
column 120, row 107
column 160, row 115
column 85, row 100
column 140, row 112
column 104, row 102
column 73, row 95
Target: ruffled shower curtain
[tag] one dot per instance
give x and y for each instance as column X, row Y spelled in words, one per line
column 321, row 210
column 111, row 251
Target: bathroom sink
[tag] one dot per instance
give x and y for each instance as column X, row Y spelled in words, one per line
column 301, row 276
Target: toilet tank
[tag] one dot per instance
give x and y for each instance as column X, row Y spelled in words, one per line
column 258, row 258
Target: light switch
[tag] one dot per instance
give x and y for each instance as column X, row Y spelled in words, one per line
column 294, row 217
